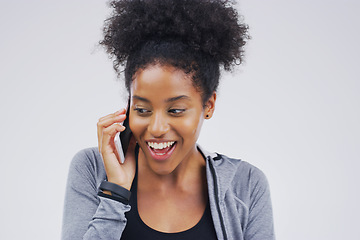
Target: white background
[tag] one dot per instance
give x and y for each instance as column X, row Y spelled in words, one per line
column 292, row 110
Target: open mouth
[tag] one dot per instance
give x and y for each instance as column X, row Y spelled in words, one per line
column 161, row 150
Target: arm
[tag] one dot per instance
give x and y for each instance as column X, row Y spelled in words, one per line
column 87, row 216
column 260, row 222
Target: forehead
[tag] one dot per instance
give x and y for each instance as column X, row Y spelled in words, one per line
column 160, row 82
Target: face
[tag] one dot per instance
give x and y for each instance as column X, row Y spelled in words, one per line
column 166, row 116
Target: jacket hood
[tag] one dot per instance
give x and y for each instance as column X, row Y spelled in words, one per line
column 223, row 169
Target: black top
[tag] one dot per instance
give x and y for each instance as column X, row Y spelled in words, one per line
column 137, row 229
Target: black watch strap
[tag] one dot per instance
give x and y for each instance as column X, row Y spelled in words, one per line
column 116, row 190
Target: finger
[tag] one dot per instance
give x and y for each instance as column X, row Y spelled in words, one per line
column 108, row 135
column 107, row 121
column 110, row 121
column 121, row 111
column 111, row 118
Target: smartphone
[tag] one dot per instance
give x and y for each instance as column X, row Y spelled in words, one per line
column 122, row 139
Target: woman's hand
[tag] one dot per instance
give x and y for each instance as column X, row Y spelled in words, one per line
column 107, row 128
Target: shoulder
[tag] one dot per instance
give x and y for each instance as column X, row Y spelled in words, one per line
column 87, row 163
column 240, row 177
column 246, row 174
column 236, row 168
column 245, row 192
column 231, row 170
column 87, row 156
column 250, row 173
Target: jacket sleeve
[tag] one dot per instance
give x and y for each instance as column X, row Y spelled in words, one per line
column 260, row 221
column 87, row 216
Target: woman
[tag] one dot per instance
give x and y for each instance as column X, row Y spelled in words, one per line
column 172, row 51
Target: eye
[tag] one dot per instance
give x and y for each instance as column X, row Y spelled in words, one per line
column 142, row 111
column 176, row 111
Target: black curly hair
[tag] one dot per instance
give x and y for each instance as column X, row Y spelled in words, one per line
column 196, row 36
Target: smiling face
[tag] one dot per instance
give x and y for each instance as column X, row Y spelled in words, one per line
column 166, row 115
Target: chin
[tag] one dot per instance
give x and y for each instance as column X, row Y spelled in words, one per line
column 162, row 172
column 161, row 168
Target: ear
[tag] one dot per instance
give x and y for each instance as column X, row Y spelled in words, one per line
column 210, row 106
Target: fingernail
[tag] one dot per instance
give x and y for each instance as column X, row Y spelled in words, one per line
column 122, row 110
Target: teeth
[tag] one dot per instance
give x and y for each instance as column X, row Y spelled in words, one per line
column 162, row 145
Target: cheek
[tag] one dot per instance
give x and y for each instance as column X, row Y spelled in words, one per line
column 189, row 127
column 137, row 125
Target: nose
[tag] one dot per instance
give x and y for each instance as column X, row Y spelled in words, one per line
column 158, row 126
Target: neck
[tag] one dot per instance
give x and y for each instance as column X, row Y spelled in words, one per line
column 187, row 175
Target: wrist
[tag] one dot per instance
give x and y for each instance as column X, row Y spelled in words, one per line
column 114, row 191
column 121, row 183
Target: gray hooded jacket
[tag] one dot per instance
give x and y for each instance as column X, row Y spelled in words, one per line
column 238, row 193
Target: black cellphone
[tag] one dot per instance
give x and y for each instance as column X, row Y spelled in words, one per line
column 125, row 136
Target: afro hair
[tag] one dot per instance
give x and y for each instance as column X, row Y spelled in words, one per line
column 197, row 36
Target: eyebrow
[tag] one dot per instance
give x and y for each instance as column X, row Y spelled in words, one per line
column 140, row 98
column 173, row 99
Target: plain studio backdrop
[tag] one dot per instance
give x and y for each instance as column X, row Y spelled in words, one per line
column 292, row 110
